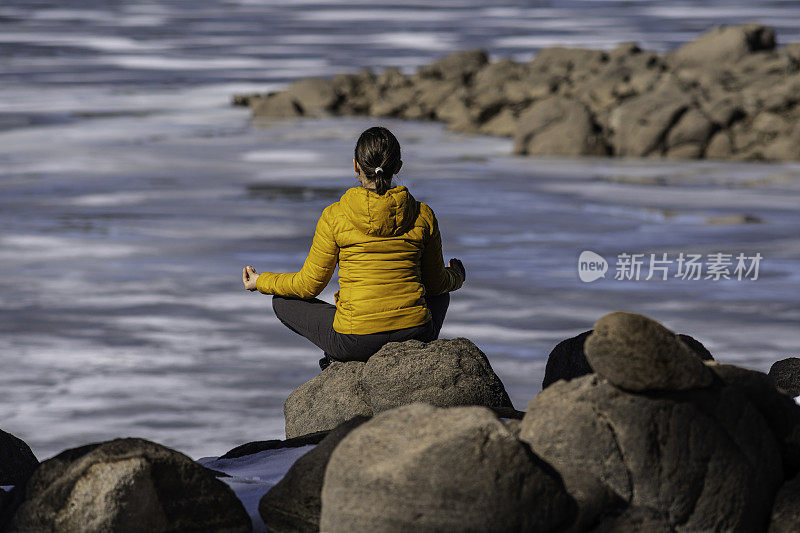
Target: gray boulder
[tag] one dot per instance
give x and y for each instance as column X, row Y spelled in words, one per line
column 17, row 461
column 444, row 372
column 786, row 375
column 638, row 354
column 334, row 396
column 558, row 126
column 293, row 505
column 724, row 44
column 127, row 485
column 703, row 459
column 421, row 468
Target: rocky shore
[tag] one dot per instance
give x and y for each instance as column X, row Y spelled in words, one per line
column 729, row 94
column 636, row 428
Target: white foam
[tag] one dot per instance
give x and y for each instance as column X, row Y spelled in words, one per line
column 282, row 156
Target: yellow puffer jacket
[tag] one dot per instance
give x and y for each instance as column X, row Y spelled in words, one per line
column 389, row 252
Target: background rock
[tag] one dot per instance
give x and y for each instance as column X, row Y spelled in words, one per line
column 127, row 485
column 557, row 126
column 421, row 468
column 724, row 44
column 728, row 94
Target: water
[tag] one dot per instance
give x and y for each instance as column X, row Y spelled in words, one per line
column 131, row 194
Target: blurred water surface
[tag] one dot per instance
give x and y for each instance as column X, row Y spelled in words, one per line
column 131, row 194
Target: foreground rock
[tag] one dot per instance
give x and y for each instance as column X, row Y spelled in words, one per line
column 568, row 361
column 638, row 354
column 294, row 504
column 127, row 485
column 728, row 94
column 443, row 373
column 421, row 468
column 17, row 461
column 661, row 440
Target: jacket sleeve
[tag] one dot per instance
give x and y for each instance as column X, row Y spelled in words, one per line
column 437, row 277
column 317, row 269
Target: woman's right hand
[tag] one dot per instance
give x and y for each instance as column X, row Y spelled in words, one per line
column 459, row 266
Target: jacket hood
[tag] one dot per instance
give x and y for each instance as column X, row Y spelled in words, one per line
column 387, row 215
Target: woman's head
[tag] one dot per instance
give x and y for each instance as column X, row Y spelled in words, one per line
column 377, row 158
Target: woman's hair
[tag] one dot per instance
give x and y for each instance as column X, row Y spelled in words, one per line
column 377, row 149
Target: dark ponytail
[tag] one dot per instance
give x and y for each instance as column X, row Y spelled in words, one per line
column 378, row 154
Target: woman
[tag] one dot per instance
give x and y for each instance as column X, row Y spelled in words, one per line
column 393, row 283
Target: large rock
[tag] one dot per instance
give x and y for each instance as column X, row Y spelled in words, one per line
column 568, row 361
column 724, row 44
column 127, row 485
column 421, row 468
column 558, row 126
column 17, row 461
column 293, row 505
column 638, row 354
column 703, row 459
column 444, row 373
column 333, row 396
column 786, row 375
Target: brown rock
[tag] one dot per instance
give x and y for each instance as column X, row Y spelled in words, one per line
column 458, row 66
column 276, row 105
column 127, row 485
column 420, row 468
column 331, row 398
column 724, row 44
column 637, row 353
column 558, row 126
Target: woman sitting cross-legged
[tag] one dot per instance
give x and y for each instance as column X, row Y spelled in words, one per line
column 393, row 284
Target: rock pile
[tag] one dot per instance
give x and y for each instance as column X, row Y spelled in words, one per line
column 729, row 94
column 654, row 439
column 443, row 373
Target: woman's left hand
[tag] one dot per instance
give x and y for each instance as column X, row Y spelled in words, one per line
column 249, row 278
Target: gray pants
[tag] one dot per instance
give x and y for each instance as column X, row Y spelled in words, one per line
column 313, row 319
